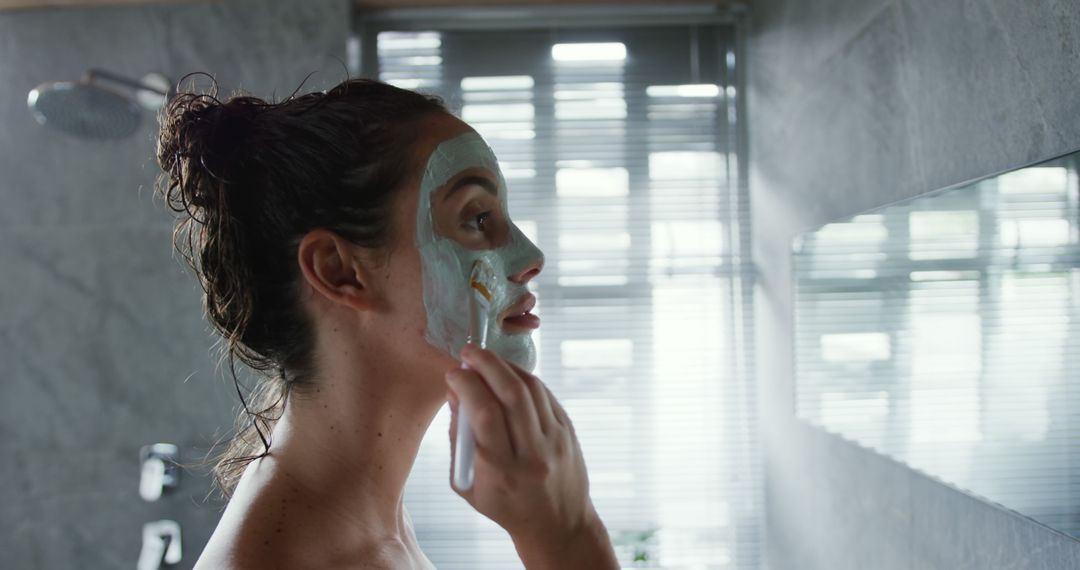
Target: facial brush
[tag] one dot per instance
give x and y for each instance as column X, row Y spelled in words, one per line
column 481, row 279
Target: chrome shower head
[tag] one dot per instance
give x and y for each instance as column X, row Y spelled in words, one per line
column 88, row 109
column 83, row 110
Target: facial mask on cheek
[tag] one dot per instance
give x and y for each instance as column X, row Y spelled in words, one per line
column 446, row 264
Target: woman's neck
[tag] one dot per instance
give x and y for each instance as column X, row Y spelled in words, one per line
column 330, row 491
column 349, row 440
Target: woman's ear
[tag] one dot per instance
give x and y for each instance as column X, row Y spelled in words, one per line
column 329, row 264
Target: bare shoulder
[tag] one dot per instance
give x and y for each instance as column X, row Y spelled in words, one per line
column 257, row 529
column 245, row 538
column 247, row 555
column 270, row 524
column 270, row 532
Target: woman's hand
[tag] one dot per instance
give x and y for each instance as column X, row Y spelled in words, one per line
column 529, row 473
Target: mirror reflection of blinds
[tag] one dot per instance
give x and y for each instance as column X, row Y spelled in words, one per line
column 944, row 331
column 617, row 150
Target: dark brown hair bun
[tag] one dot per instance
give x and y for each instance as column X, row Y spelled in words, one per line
column 248, row 179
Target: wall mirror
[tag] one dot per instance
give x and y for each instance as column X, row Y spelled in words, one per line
column 943, row 331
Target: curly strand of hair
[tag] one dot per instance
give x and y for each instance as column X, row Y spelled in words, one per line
column 268, row 399
column 293, row 94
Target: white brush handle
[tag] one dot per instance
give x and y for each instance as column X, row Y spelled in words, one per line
column 465, row 448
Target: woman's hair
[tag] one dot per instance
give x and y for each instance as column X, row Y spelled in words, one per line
column 248, row 179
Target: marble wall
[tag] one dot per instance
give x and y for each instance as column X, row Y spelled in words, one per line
column 853, row 104
column 102, row 340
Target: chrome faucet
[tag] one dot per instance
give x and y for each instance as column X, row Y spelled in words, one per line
column 160, row 545
column 160, row 471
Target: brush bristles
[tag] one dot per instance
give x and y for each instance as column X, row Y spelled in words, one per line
column 481, row 288
column 481, row 277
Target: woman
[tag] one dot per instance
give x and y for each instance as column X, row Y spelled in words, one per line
column 329, row 232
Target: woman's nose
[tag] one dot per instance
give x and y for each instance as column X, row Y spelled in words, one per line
column 529, row 271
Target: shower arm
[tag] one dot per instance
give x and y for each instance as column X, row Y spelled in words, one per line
column 93, row 73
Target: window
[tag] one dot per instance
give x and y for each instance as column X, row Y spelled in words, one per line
column 619, row 148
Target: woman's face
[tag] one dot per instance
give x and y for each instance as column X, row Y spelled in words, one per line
column 453, row 216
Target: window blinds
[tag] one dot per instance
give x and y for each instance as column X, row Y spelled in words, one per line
column 619, row 150
column 943, row 331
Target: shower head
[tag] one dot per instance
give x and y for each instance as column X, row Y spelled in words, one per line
column 89, row 109
column 84, row 110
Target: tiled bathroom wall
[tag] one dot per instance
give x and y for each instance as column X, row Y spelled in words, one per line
column 102, row 343
column 852, row 105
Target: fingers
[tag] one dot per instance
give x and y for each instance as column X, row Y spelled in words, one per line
column 560, row 413
column 544, row 410
column 516, row 398
column 452, row 399
column 485, row 415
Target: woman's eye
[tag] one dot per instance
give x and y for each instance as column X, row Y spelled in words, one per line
column 477, row 222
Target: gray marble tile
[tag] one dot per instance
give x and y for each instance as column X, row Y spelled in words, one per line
column 81, row 508
column 842, row 144
column 101, row 329
column 106, row 351
column 978, row 109
column 803, row 36
column 852, row 107
column 990, row 536
column 266, row 48
column 1043, row 38
column 839, row 481
column 101, row 319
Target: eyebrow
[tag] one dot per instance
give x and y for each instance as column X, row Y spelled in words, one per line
column 480, row 181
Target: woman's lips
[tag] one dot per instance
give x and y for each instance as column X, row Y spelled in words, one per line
column 519, row 317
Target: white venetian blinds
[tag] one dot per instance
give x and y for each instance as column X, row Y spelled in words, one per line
column 619, row 150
